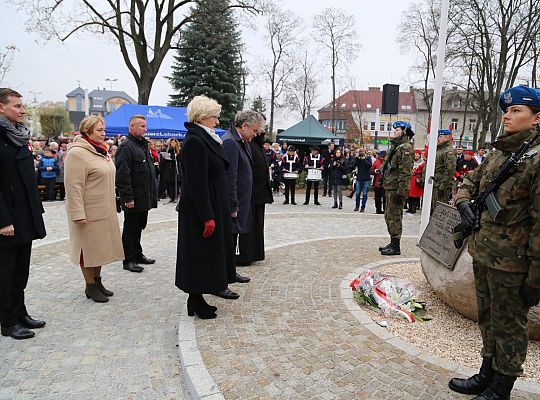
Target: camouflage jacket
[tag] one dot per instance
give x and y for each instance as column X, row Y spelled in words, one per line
column 513, row 243
column 398, row 170
column 445, row 166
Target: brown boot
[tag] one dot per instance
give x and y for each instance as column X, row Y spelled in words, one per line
column 93, row 292
column 101, row 288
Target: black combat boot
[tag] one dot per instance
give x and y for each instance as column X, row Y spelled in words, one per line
column 499, row 388
column 393, row 249
column 476, row 384
column 385, row 247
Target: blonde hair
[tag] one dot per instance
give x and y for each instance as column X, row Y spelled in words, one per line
column 88, row 124
column 201, row 107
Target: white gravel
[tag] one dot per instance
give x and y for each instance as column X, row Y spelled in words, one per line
column 449, row 334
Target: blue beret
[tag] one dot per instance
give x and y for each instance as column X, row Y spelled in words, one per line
column 402, row 125
column 444, row 132
column 519, row 95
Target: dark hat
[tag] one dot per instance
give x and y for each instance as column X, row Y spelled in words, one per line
column 291, row 148
column 382, row 153
column 519, row 95
column 444, row 132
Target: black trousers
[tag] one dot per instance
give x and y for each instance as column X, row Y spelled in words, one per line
column 50, row 190
column 290, row 187
column 14, row 271
column 315, row 185
column 134, row 224
column 327, row 186
column 172, row 189
column 379, row 198
column 251, row 245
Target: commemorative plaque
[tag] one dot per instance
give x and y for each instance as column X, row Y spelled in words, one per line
column 437, row 238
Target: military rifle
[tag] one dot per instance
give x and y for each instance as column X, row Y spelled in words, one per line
column 487, row 199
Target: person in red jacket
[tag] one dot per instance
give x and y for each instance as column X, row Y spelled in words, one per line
column 377, row 184
column 416, row 190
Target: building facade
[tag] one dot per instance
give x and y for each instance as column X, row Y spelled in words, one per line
column 100, row 102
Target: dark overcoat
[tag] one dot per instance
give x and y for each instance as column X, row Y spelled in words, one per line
column 262, row 192
column 240, row 178
column 170, row 169
column 135, row 175
column 20, row 205
column 203, row 265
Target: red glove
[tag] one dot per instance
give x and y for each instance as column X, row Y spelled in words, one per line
column 209, row 228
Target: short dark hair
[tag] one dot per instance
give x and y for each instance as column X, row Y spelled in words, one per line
column 7, row 92
column 534, row 109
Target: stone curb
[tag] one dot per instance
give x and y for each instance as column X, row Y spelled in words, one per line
column 383, row 334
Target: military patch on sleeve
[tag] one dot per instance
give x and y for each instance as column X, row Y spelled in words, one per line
column 407, row 153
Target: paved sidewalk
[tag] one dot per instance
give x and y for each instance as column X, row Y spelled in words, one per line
column 289, row 336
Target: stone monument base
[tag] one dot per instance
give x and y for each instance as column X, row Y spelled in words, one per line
column 456, row 288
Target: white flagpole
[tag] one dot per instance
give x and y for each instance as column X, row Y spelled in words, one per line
column 435, row 117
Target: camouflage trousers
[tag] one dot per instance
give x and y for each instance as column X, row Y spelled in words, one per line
column 393, row 214
column 502, row 318
column 440, row 195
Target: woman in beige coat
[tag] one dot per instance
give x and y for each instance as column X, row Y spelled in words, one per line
column 91, row 206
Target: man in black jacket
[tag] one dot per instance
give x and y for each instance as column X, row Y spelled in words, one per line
column 136, row 182
column 21, row 221
column 362, row 164
column 328, row 156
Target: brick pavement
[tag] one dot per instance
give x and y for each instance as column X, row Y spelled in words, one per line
column 289, row 335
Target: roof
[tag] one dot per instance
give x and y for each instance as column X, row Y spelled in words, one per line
column 447, row 102
column 309, row 131
column 75, row 92
column 370, row 100
column 102, row 96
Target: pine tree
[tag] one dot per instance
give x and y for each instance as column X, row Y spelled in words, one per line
column 258, row 105
column 208, row 61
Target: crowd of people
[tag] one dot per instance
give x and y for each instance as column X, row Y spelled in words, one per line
column 225, row 183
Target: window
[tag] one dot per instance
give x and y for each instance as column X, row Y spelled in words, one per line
column 340, row 125
column 456, row 102
column 343, row 105
column 389, row 126
column 354, row 105
column 382, row 126
column 472, row 124
column 78, row 102
column 372, row 126
column 454, row 124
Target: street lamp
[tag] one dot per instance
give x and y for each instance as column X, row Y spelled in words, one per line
column 111, row 81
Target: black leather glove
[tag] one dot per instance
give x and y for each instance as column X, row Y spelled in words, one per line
column 397, row 199
column 530, row 295
column 466, row 213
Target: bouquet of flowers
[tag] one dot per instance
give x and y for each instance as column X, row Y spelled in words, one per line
column 390, row 295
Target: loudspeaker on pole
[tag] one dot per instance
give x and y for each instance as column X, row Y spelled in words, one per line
column 390, row 99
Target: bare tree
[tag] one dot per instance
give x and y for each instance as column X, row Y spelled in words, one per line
column 282, row 29
column 144, row 30
column 6, row 59
column 335, row 31
column 301, row 91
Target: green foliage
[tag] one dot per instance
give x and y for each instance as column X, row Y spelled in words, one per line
column 54, row 121
column 258, row 105
column 208, row 61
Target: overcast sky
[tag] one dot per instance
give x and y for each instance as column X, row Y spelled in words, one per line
column 54, row 69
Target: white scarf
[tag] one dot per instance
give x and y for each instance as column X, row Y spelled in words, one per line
column 212, row 134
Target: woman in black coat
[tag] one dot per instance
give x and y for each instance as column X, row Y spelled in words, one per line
column 205, row 253
column 170, row 169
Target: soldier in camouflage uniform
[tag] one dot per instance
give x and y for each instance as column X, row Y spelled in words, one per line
column 445, row 167
column 506, row 253
column 397, row 171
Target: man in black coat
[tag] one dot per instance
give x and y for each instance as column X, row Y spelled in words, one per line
column 236, row 150
column 136, row 183
column 251, row 245
column 21, row 219
column 328, row 156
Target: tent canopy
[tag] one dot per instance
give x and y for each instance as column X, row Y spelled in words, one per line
column 309, row 132
column 162, row 122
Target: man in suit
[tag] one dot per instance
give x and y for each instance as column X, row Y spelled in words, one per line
column 21, row 219
column 136, row 183
column 240, row 178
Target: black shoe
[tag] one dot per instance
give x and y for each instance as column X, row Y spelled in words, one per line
column 355, row 209
column 242, row 279
column 293, row 203
column 363, row 209
column 499, row 388
column 379, row 212
column 133, row 267
column 243, row 264
column 286, row 202
column 18, row 332
column 197, row 305
column 335, row 205
column 28, row 322
column 384, row 247
column 317, row 203
column 476, row 384
column 145, row 260
column 340, row 206
column 227, row 294
column 393, row 249
column 306, row 203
